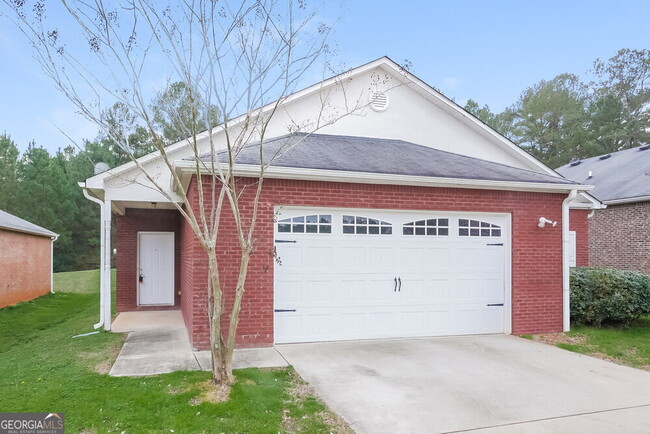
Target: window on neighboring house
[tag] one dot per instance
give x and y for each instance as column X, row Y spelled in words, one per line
column 310, row 224
column 365, row 225
column 433, row 227
column 476, row 228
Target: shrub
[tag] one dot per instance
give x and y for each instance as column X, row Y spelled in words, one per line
column 606, row 294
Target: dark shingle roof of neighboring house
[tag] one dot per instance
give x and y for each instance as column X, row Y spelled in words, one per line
column 15, row 224
column 617, row 176
column 382, row 156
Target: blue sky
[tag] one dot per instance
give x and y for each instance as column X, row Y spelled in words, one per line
column 485, row 50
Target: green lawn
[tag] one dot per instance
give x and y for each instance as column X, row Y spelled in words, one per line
column 78, row 281
column 42, row 368
column 627, row 346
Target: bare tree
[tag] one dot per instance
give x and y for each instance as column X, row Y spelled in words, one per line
column 243, row 58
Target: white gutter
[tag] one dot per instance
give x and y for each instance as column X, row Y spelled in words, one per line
column 566, row 290
column 52, row 240
column 102, row 283
column 253, row 170
column 627, row 200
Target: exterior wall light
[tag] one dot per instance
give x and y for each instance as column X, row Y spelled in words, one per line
column 543, row 221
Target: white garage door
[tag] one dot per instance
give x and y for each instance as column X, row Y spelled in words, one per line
column 362, row 274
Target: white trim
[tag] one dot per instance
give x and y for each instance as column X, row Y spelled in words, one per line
column 173, row 270
column 252, row 170
column 627, row 200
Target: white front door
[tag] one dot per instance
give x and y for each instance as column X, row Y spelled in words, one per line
column 155, row 268
column 364, row 274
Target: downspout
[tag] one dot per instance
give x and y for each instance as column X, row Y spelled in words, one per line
column 52, row 240
column 566, row 291
column 102, row 259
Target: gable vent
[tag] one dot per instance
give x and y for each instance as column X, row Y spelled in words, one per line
column 604, row 157
column 644, row 148
column 378, row 101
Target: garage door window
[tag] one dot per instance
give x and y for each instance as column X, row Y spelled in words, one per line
column 477, row 228
column 365, row 225
column 435, row 227
column 310, row 224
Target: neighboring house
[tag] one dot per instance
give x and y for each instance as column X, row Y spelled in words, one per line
column 25, row 260
column 619, row 235
column 409, row 218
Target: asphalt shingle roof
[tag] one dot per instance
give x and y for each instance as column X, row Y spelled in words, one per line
column 623, row 175
column 383, row 156
column 13, row 223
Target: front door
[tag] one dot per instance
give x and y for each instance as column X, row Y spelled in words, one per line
column 155, row 268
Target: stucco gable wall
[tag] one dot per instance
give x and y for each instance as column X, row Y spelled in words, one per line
column 410, row 117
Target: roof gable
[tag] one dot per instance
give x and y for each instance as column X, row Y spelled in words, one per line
column 417, row 113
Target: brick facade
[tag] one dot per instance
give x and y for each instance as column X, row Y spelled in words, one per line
column 579, row 222
column 25, row 266
column 619, row 237
column 126, row 242
column 536, row 252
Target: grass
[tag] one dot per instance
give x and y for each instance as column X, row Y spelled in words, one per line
column 627, row 346
column 78, row 281
column 43, row 369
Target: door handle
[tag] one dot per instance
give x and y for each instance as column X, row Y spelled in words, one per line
column 395, row 289
column 400, row 284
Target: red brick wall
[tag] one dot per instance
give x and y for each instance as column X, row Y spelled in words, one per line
column 536, row 252
column 579, row 222
column 25, row 267
column 126, row 242
column 619, row 237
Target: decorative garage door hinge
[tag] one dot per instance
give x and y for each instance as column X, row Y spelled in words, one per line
column 496, row 304
column 495, row 244
column 286, row 241
column 284, row 310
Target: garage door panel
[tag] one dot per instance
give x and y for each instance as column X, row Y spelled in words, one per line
column 343, row 285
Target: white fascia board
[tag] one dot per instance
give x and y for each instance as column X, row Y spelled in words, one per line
column 252, row 171
column 627, row 200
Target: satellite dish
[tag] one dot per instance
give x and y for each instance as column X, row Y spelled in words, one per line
column 101, row 168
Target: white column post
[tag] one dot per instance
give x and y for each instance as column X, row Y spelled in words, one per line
column 107, row 293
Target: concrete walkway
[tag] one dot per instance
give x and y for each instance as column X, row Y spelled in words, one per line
column 489, row 383
column 158, row 343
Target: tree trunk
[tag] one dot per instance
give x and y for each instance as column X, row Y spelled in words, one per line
column 221, row 362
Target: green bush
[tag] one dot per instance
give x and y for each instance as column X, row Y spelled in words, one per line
column 606, row 294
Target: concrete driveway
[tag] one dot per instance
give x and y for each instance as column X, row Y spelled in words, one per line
column 487, row 383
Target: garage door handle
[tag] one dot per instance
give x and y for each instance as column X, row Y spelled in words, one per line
column 400, row 284
column 496, row 304
column 284, row 310
column 395, row 289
